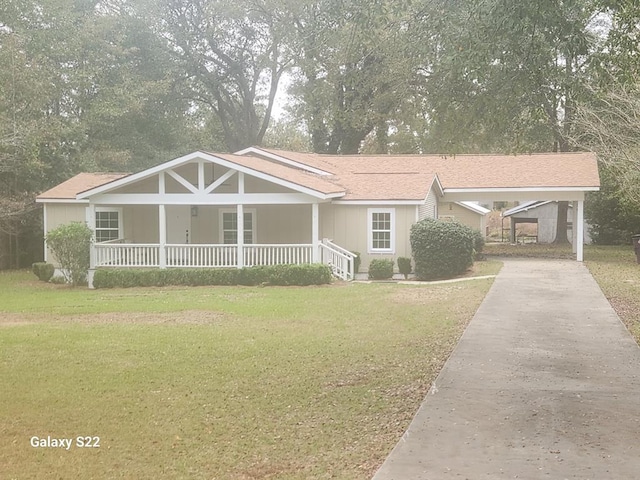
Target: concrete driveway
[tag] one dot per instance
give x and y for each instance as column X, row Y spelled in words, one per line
column 544, row 384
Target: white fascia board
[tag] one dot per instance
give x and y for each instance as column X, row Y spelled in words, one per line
column 436, row 181
column 521, row 190
column 203, row 199
column 213, row 159
column 278, row 158
column 378, row 202
column 60, row 200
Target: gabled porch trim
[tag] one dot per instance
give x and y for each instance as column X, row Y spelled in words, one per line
column 169, row 166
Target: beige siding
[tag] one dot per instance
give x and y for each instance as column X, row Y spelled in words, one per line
column 346, row 225
column 141, row 224
column 148, row 185
column 284, row 224
column 274, row 223
column 61, row 214
column 257, row 185
column 430, row 207
column 462, row 215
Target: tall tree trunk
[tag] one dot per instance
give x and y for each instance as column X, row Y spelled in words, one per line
column 561, row 228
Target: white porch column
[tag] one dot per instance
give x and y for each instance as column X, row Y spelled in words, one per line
column 240, row 215
column 315, row 233
column 580, row 229
column 162, row 224
column 90, row 217
column 162, row 235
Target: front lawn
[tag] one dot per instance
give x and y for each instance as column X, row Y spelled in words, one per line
column 616, row 271
column 218, row 382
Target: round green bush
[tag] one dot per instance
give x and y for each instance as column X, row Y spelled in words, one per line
column 380, row 269
column 441, row 249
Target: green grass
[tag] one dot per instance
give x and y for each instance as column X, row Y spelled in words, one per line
column 616, row 271
column 219, row 382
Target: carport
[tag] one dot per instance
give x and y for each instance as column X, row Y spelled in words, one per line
column 525, row 178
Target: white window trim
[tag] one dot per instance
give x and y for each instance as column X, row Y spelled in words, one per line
column 118, row 210
column 370, row 213
column 222, row 211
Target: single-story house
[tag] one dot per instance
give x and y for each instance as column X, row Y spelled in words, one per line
column 544, row 214
column 264, row 206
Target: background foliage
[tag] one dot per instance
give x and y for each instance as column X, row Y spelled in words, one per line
column 121, row 85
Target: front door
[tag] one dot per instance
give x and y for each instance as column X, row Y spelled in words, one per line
column 178, row 224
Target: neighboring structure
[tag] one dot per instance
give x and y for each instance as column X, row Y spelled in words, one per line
column 470, row 214
column 261, row 206
column 545, row 216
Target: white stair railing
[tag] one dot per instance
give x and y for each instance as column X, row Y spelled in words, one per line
column 339, row 259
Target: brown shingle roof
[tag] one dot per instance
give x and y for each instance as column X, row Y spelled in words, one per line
column 294, row 175
column 410, row 176
column 68, row 189
column 397, row 177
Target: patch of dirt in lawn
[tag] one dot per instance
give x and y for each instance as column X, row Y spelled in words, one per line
column 422, row 296
column 193, row 317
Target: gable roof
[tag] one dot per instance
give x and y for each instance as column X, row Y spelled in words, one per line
column 407, row 178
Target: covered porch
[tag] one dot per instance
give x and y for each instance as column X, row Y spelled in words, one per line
column 205, row 212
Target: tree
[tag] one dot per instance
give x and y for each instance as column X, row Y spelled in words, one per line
column 351, row 71
column 230, row 56
column 610, row 126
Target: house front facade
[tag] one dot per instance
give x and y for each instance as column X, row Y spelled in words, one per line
column 260, row 206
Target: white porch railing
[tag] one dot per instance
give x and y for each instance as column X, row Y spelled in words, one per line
column 277, row 254
column 197, row 255
column 127, row 255
column 112, row 254
column 339, row 259
column 194, row 255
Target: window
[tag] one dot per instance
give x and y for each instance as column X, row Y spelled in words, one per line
column 382, row 230
column 108, row 225
column 229, row 227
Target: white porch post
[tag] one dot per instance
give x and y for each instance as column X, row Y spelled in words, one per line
column 91, row 223
column 162, row 224
column 240, row 217
column 162, row 233
column 574, row 230
column 580, row 230
column 315, row 233
column 90, row 217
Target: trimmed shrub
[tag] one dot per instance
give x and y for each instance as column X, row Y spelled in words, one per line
column 284, row 275
column 478, row 244
column 356, row 262
column 44, row 271
column 380, row 269
column 441, row 249
column 70, row 244
column 404, row 266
